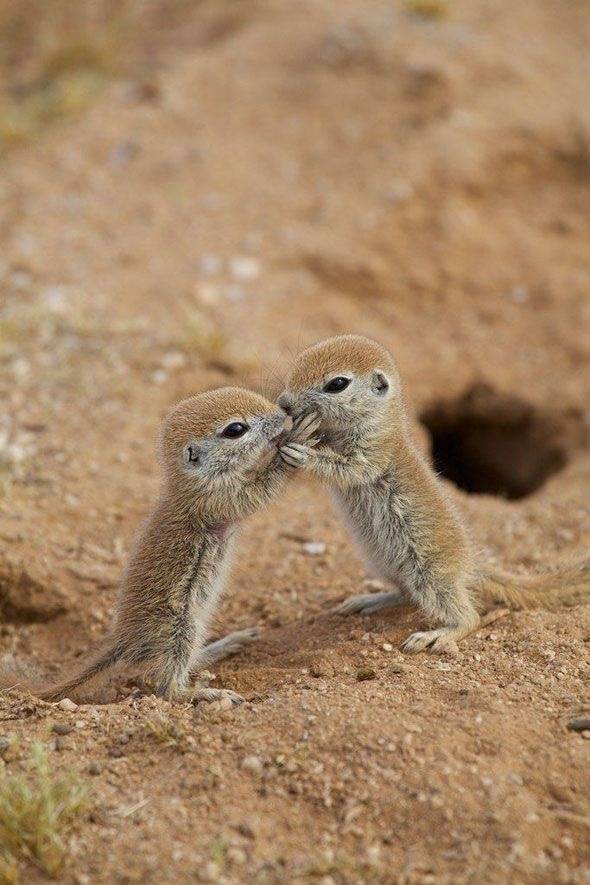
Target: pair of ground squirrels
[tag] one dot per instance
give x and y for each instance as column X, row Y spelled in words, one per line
column 398, row 511
column 225, row 455
column 220, row 453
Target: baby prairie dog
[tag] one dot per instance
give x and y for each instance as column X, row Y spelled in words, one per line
column 398, row 511
column 220, row 457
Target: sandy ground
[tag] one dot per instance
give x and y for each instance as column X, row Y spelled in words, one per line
column 286, row 172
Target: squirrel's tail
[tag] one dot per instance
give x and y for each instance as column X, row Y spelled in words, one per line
column 15, row 674
column 108, row 659
column 562, row 585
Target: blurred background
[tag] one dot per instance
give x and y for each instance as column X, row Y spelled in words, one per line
column 190, row 191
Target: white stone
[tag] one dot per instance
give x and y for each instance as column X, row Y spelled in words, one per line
column 174, row 359
column 210, row 264
column 67, row 705
column 244, row 268
column 54, row 298
column 252, row 764
column 314, row 548
column 159, row 376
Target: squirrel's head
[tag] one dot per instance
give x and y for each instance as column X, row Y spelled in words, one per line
column 347, row 380
column 216, row 439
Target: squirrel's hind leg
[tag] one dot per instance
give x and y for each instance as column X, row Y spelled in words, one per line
column 369, row 603
column 224, row 648
column 440, row 641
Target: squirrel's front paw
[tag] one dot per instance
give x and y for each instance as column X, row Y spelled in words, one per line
column 295, row 454
column 304, row 428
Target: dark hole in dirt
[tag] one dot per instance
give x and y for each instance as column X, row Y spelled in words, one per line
column 492, row 443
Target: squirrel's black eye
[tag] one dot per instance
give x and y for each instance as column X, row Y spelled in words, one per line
column 337, row 384
column 234, row 430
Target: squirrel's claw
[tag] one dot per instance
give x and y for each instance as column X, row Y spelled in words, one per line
column 304, row 427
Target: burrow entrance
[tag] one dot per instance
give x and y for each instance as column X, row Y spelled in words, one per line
column 491, row 443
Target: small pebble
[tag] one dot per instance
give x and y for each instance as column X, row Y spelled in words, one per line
column 210, row 872
column 62, row 728
column 116, row 752
column 54, row 298
column 244, row 268
column 519, row 294
column 236, row 855
column 314, row 548
column 94, row 768
column 210, row 264
column 387, row 646
column 582, row 723
column 172, row 360
column 67, row 705
column 159, row 376
column 365, row 673
column 233, row 293
column 252, row 764
column 206, row 293
column 244, row 829
column 373, row 854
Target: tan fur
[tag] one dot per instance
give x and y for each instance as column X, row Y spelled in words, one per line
column 177, row 569
column 570, row 582
column 398, row 511
column 353, row 352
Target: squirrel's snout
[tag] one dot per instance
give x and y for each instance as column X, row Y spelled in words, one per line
column 280, row 435
column 286, row 402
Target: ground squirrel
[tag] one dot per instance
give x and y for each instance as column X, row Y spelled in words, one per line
column 220, row 457
column 397, row 509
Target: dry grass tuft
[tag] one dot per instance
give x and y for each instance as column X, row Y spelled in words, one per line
column 59, row 94
column 54, row 59
column 428, row 8
column 37, row 812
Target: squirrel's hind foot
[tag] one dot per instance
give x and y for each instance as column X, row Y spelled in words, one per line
column 217, row 694
column 369, row 603
column 441, row 641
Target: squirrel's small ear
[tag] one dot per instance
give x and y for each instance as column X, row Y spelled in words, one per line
column 380, row 384
column 191, row 454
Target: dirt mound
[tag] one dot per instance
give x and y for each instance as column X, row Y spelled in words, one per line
column 26, row 594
